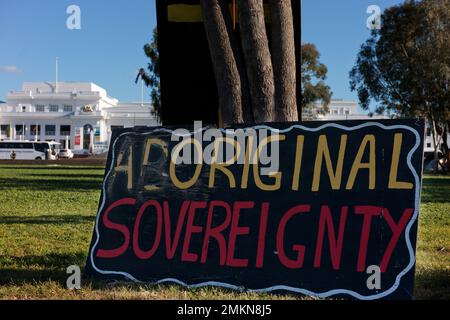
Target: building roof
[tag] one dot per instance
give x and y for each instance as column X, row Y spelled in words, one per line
column 65, row 90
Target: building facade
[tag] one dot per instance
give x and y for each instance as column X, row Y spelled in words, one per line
column 348, row 110
column 81, row 116
column 338, row 109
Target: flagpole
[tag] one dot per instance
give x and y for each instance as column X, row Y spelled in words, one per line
column 56, row 82
column 142, row 92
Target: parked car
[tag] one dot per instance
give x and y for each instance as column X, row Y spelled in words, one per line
column 65, row 154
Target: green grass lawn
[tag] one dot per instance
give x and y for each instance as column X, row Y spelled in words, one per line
column 47, row 217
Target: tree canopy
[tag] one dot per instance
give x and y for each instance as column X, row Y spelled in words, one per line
column 404, row 67
column 313, row 74
column 151, row 77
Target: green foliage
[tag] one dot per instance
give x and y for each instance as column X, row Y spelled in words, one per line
column 152, row 77
column 405, row 66
column 313, row 75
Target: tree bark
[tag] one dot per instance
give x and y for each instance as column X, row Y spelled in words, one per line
column 446, row 147
column 435, row 146
column 283, row 58
column 225, row 68
column 247, row 111
column 257, row 59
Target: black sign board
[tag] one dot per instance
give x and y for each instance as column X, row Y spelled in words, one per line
column 332, row 211
column 188, row 85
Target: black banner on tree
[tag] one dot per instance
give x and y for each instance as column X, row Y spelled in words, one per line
column 315, row 208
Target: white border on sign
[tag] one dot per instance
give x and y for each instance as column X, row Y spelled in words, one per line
column 282, row 287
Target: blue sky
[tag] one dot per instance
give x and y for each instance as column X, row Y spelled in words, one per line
column 108, row 48
column 338, row 29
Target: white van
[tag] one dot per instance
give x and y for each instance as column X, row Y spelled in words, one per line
column 54, row 147
column 27, row 150
column 48, row 148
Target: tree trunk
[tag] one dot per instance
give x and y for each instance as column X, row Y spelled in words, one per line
column 247, row 111
column 435, row 146
column 257, row 59
column 446, row 147
column 283, row 54
column 225, row 68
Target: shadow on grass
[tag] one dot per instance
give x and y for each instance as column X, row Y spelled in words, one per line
column 32, row 269
column 436, row 190
column 50, row 168
column 433, row 284
column 67, row 175
column 50, row 184
column 47, row 219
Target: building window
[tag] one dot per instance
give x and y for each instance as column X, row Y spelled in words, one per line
column 35, row 129
column 63, row 144
column 4, row 129
column 54, row 108
column 428, row 145
column 68, row 108
column 335, row 111
column 19, row 129
column 40, row 108
column 347, row 112
column 50, row 130
column 24, row 109
column 428, row 132
column 65, row 130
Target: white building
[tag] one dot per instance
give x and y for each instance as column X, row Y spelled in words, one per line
column 84, row 115
column 348, row 110
column 339, row 109
column 81, row 113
